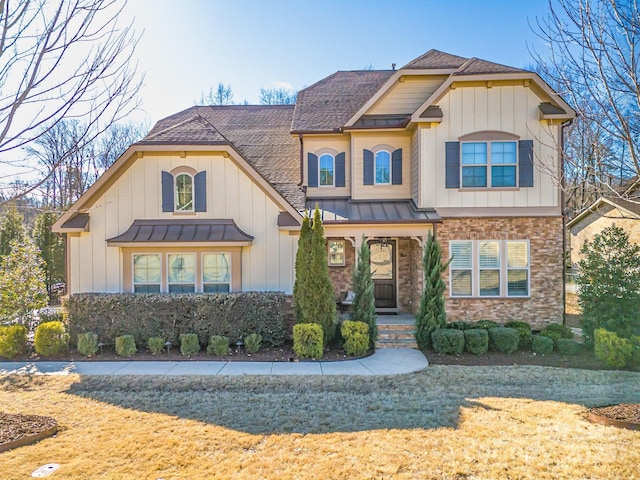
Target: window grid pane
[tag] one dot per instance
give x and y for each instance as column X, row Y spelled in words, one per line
column 502, row 176
column 326, row 170
column 489, row 283
column 518, row 269
column 383, row 167
column 474, row 176
column 215, row 268
column 181, row 268
column 336, row 252
column 460, row 254
column 503, row 153
column 461, row 264
column 146, row 273
column 518, row 283
column 184, row 192
column 474, row 153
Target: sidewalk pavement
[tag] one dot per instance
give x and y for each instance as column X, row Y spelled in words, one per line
column 389, row 361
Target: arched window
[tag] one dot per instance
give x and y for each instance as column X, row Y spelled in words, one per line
column 327, row 165
column 383, row 168
column 184, row 192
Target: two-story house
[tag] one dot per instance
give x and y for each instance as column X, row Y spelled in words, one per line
column 213, row 197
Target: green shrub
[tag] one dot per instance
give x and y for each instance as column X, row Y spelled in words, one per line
column 541, row 344
column 189, row 344
column 567, row 346
column 609, row 348
column 458, row 325
column 447, row 340
column 307, row 340
column 87, row 344
column 356, row 337
column 156, row 345
column 13, row 340
column 50, row 315
column 524, row 329
column 252, row 342
column 635, row 354
column 476, row 341
column 218, row 345
column 126, row 345
column 556, row 331
column 503, row 339
column 486, row 324
column 234, row 315
column 51, row 339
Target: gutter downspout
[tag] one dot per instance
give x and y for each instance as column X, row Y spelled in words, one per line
column 301, row 160
column 564, row 223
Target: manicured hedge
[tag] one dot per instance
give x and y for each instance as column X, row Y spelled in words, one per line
column 13, row 340
column 234, row 315
column 356, row 337
column 476, row 341
column 524, row 329
column 567, row 346
column 307, row 340
column 541, row 344
column 503, row 339
column 51, row 339
column 448, row 340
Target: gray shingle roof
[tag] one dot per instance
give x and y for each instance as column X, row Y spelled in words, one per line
column 260, row 133
column 435, row 59
column 477, row 66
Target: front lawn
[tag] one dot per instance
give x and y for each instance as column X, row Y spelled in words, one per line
column 445, row 422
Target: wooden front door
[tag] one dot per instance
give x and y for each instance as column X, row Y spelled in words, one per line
column 383, row 270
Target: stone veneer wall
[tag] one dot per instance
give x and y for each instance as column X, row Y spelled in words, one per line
column 341, row 276
column 409, row 271
column 545, row 305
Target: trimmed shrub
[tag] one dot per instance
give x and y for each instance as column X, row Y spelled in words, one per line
column 51, row 339
column 234, row 315
column 503, row 339
column 458, row 325
column 218, row 345
column 189, row 344
column 307, row 340
column 476, row 341
column 541, row 344
column 447, row 340
column 87, row 344
column 524, row 329
column 50, row 315
column 486, row 324
column 356, row 337
column 614, row 351
column 635, row 354
column 567, row 346
column 126, row 345
column 155, row 345
column 556, row 331
column 13, row 340
column 252, row 342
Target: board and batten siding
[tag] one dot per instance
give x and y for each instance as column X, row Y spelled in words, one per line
column 512, row 109
column 267, row 264
column 406, row 95
column 332, row 144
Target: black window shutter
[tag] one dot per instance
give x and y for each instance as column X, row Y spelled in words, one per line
column 452, row 159
column 312, row 169
column 167, row 192
column 340, row 175
column 200, row 196
column 368, row 166
column 396, row 167
column 525, row 163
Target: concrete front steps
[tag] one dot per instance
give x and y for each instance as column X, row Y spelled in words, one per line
column 396, row 335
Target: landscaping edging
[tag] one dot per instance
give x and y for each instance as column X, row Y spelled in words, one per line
column 602, row 420
column 29, row 439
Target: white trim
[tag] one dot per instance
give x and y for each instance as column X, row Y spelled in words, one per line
column 488, row 165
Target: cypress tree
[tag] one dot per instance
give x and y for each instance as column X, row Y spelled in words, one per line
column 363, row 308
column 431, row 314
column 51, row 246
column 11, row 229
column 303, row 257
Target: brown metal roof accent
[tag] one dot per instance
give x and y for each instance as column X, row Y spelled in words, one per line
column 328, row 104
column 435, row 59
column 547, row 108
column 382, row 121
column 77, row 221
column 434, row 111
column 285, row 219
column 392, row 211
column 188, row 230
column 477, row 66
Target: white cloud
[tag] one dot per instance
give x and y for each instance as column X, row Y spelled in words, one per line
column 285, row 85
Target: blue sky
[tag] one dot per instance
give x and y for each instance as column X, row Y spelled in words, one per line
column 189, row 45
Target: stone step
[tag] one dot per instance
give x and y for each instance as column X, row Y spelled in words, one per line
column 411, row 343
column 401, row 335
column 394, row 327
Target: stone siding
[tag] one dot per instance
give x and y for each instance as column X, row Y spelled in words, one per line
column 545, row 304
column 341, row 276
column 409, row 271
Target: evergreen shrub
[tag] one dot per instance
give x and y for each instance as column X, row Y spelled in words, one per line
column 567, row 346
column 614, row 351
column 556, row 331
column 155, row 345
column 189, row 344
column 503, row 339
column 218, row 345
column 87, row 344
column 126, row 345
column 51, row 339
column 486, row 324
column 252, row 342
column 476, row 341
column 356, row 337
column 541, row 344
column 448, row 340
column 363, row 308
column 307, row 340
column 13, row 340
column 458, row 325
column 524, row 329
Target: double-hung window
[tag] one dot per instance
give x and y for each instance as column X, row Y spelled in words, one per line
column 489, row 268
column 216, row 274
column 184, row 193
column 383, row 168
column 181, row 268
column 327, row 168
column 488, row 164
column 147, row 273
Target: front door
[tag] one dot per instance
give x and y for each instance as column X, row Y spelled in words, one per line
column 383, row 272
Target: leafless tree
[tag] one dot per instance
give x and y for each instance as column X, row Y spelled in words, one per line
column 593, row 60
column 63, row 60
column 277, row 96
column 222, row 95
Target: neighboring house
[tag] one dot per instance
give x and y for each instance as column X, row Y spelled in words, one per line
column 212, row 198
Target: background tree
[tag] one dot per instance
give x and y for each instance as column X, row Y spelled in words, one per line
column 277, row 96
column 431, row 314
column 303, row 267
column 11, row 230
column 51, row 246
column 63, row 59
column 609, row 284
column 22, row 288
column 221, row 95
column 363, row 308
column 594, row 62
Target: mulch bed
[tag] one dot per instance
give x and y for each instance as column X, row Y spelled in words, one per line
column 17, row 429
column 624, row 415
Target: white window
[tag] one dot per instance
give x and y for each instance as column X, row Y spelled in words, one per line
column 383, row 168
column 326, row 165
column 147, row 273
column 181, row 272
column 489, row 268
column 216, row 272
column 488, row 164
column 336, row 253
column 184, row 192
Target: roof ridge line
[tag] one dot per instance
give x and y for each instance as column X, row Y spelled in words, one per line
column 196, row 115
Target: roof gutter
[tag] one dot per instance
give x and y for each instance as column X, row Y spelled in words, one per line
column 301, row 160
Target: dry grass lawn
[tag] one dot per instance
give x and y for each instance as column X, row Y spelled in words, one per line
column 446, row 422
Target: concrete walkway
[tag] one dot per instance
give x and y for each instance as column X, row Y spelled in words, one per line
column 390, row 361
